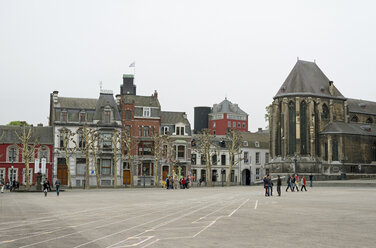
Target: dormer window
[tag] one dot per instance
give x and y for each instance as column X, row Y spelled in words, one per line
column 179, row 130
column 166, row 130
column 146, row 112
column 82, row 117
column 64, row 116
column 257, row 144
column 245, row 143
column 107, row 115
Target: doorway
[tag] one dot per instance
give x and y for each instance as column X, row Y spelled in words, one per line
column 246, row 174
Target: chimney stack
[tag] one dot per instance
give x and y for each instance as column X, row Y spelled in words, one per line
column 155, row 94
column 259, row 129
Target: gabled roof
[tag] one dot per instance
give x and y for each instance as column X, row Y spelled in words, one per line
column 350, row 128
column 227, row 107
column 142, row 101
column 103, row 101
column 172, row 118
column 43, row 135
column 76, row 103
column 361, row 106
column 306, row 78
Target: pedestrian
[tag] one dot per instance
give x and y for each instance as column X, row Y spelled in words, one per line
column 310, row 180
column 187, row 182
column 279, row 184
column 2, row 185
column 167, row 182
column 266, row 186
column 270, row 185
column 171, row 183
column 176, row 183
column 57, row 185
column 13, row 188
column 303, row 184
column 183, row 181
column 296, row 183
column 289, row 181
column 45, row 187
column 48, row 184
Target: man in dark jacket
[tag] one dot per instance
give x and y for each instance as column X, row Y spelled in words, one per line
column 279, row 184
column 266, row 186
column 289, row 183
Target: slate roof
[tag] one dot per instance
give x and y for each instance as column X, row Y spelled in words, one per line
column 44, row 135
column 172, row 118
column 227, row 107
column 103, row 101
column 350, row 128
column 145, row 101
column 262, row 138
column 306, row 78
column 76, row 103
column 361, row 106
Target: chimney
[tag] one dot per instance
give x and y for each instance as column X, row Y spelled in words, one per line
column 185, row 115
column 40, row 125
column 155, row 94
column 55, row 96
column 259, row 129
column 331, row 88
column 118, row 98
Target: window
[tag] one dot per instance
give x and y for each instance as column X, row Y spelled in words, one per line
column 292, row 128
column 146, row 169
column 257, row 144
column 13, row 174
column 214, row 159
column 179, row 130
column 325, row 112
column 146, row 131
column 80, row 166
column 234, row 124
column 257, row 171
column 82, row 117
column 243, row 125
column 145, row 148
column 140, row 131
column 30, row 176
column 335, row 150
column 106, row 167
column 266, row 158
column 64, row 116
column 193, row 159
column 245, row 143
column 203, row 159
column 246, row 157
column 146, row 112
column 239, row 125
column 257, row 158
column 229, row 124
column 326, row 151
column 369, row 120
column 2, row 175
column 81, row 140
column 232, row 176
column 303, row 128
column 166, row 130
column 127, row 129
column 107, row 141
column 223, row 159
column 164, row 151
column 12, row 154
column 61, row 140
column 43, row 153
column 181, row 152
column 107, row 116
column 125, row 166
column 214, row 124
column 128, row 114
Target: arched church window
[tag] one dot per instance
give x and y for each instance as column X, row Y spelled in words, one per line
column 325, row 112
column 354, row 118
column 292, row 128
column 303, row 127
column 369, row 120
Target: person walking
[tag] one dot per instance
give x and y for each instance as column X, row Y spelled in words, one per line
column 296, row 183
column 266, row 186
column 183, row 183
column 45, row 187
column 2, row 185
column 176, row 183
column 57, row 185
column 310, row 180
column 303, row 184
column 171, row 182
column 167, row 182
column 279, row 184
column 289, row 183
column 270, row 185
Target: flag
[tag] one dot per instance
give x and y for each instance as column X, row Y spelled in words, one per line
column 36, row 165
column 44, row 165
column 133, row 64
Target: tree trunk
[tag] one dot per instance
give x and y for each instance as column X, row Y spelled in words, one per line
column 115, row 167
column 87, row 178
column 68, row 169
column 27, row 174
column 156, row 173
column 230, row 168
column 96, row 169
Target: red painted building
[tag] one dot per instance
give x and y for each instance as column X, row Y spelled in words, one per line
column 12, row 164
column 227, row 115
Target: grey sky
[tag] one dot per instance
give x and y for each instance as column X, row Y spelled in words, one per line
column 194, row 53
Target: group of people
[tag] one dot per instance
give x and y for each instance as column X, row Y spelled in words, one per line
column 47, row 187
column 11, row 186
column 173, row 182
column 292, row 184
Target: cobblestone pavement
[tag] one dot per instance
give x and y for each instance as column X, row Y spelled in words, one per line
column 198, row 217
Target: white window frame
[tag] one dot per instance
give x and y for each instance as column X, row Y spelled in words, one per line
column 257, row 158
column 30, row 175
column 146, row 111
column 166, row 130
column 61, row 116
column 17, row 150
column 15, row 174
column 2, row 175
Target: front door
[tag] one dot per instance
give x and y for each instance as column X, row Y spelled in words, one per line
column 62, row 173
column 165, row 172
column 126, row 177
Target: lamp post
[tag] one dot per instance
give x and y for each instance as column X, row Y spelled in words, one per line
column 343, row 173
column 223, row 173
column 144, row 169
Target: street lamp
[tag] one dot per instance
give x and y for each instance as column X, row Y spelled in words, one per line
column 144, row 169
column 343, row 173
column 223, row 173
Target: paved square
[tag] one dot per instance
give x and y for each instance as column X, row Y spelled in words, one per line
column 198, row 217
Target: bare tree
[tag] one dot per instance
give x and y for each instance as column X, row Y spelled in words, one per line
column 27, row 147
column 94, row 145
column 158, row 149
column 116, row 140
column 67, row 136
column 234, row 141
column 87, row 134
column 205, row 147
column 129, row 145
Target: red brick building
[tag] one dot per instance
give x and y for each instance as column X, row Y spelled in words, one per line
column 227, row 115
column 12, row 164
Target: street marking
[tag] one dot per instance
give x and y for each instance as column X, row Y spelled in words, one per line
column 238, row 208
column 155, row 241
column 212, row 223
column 256, row 204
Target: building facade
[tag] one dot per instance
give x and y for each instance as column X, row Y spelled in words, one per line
column 315, row 129
column 12, row 163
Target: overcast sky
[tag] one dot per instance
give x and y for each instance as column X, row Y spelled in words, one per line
column 194, row 53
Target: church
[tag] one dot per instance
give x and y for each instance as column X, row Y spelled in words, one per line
column 314, row 129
